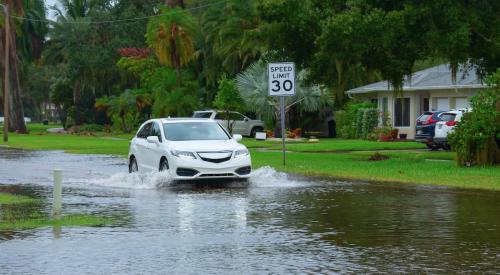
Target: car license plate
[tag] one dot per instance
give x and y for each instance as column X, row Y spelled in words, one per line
column 419, row 132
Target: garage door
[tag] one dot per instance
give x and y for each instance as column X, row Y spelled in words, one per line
column 462, row 103
column 443, row 103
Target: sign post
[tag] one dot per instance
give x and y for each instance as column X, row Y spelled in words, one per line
column 281, row 82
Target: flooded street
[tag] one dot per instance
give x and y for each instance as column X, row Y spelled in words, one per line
column 274, row 224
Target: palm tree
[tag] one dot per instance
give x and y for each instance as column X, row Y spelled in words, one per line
column 30, row 39
column 171, row 36
column 253, row 87
column 67, row 40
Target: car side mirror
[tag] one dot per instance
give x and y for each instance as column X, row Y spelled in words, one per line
column 153, row 139
column 238, row 137
column 246, row 119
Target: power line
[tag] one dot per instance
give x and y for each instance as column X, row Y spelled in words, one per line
column 117, row 20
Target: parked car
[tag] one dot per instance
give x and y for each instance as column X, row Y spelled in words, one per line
column 426, row 124
column 188, row 149
column 448, row 122
column 241, row 124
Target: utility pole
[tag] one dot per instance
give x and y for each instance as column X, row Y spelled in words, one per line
column 6, row 86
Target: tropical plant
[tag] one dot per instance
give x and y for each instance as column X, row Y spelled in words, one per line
column 253, row 87
column 27, row 29
column 476, row 138
column 171, row 35
column 228, row 99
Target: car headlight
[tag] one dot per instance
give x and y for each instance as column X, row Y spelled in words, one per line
column 183, row 154
column 241, row 153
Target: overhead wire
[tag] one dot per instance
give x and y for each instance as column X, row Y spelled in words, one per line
column 126, row 20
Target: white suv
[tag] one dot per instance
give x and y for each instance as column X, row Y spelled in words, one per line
column 448, row 122
column 241, row 124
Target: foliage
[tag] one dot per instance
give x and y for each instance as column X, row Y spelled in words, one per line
column 476, row 137
column 171, row 36
column 126, row 110
column 228, row 99
column 253, row 87
column 351, row 123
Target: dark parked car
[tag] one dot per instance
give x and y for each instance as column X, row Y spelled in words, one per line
column 426, row 124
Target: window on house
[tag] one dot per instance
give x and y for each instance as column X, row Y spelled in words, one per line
column 383, row 105
column 425, row 106
column 402, row 112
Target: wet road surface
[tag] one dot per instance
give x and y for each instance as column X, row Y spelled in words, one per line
column 274, row 224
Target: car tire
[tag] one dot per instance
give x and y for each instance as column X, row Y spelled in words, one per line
column 132, row 166
column 254, row 131
column 163, row 165
column 433, row 147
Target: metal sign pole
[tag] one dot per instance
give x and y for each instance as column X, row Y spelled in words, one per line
column 283, row 131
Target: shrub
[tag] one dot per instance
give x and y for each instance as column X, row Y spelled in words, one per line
column 349, row 122
column 476, row 138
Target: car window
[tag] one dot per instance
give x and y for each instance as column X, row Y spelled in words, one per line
column 194, row 131
column 436, row 116
column 220, row 116
column 145, row 130
column 236, row 116
column 155, row 131
column 425, row 116
column 448, row 117
column 202, row 114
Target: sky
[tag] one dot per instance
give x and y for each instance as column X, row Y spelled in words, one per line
column 48, row 4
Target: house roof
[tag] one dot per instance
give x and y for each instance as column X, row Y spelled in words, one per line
column 435, row 78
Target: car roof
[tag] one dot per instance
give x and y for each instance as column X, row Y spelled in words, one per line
column 184, row 119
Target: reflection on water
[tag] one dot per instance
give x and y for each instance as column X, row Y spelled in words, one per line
column 274, row 224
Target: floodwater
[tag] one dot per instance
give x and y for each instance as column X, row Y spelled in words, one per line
column 274, row 224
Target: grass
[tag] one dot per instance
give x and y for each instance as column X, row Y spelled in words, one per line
column 41, row 221
column 21, row 212
column 335, row 145
column 6, row 198
column 332, row 158
column 401, row 167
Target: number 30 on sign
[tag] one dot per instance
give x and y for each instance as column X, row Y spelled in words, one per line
column 281, row 79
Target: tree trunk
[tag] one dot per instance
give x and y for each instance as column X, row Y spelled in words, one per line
column 16, row 111
column 77, row 96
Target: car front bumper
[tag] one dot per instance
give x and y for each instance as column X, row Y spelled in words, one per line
column 195, row 169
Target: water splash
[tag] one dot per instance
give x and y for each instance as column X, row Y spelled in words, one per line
column 268, row 177
column 135, row 180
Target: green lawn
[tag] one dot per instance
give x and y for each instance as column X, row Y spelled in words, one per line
column 332, row 158
column 403, row 167
column 23, row 213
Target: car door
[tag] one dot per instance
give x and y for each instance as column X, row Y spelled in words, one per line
column 239, row 123
column 155, row 152
column 142, row 147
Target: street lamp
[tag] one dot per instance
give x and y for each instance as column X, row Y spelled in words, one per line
column 6, row 87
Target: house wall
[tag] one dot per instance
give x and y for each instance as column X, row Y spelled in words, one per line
column 416, row 103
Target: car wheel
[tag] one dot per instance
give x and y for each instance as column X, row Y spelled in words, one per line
column 163, row 165
column 254, row 131
column 132, row 166
column 432, row 147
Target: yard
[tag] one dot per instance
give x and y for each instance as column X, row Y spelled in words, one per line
column 407, row 162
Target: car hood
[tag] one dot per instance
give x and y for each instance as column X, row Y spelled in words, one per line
column 206, row 145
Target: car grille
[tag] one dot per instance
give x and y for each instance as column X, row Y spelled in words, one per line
column 244, row 170
column 216, row 160
column 186, row 172
column 217, row 175
column 215, row 157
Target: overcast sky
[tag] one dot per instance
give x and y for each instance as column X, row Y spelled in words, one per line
column 48, row 4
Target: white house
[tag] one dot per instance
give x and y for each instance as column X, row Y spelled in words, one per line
column 427, row 90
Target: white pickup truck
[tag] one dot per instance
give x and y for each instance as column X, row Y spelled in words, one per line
column 241, row 124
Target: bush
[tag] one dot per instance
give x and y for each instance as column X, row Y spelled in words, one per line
column 349, row 122
column 476, row 138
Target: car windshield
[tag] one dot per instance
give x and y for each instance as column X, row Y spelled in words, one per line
column 183, row 131
column 448, row 117
column 424, row 116
column 202, row 114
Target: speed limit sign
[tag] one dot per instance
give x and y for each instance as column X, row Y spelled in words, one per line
column 281, row 79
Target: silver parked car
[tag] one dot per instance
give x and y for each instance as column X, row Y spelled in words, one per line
column 241, row 124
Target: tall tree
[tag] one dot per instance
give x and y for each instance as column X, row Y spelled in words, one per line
column 171, row 35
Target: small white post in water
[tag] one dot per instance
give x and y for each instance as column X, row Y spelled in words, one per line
column 56, row 206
